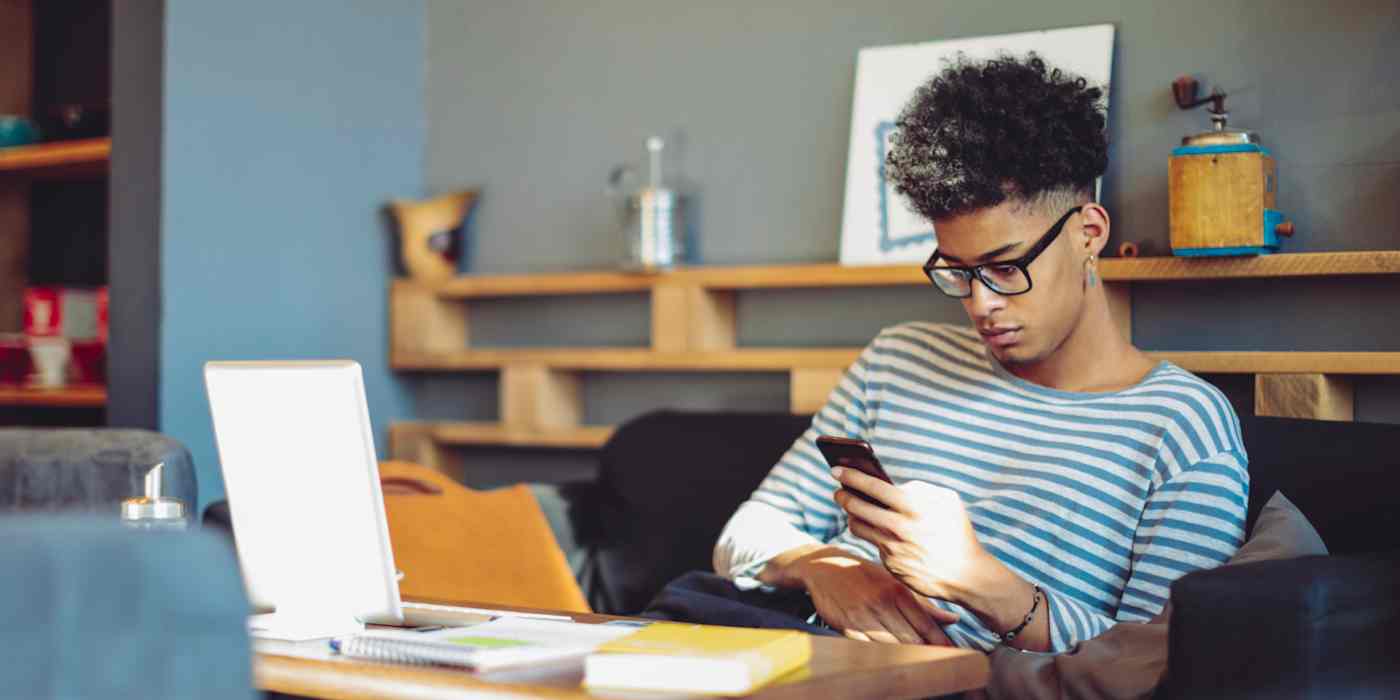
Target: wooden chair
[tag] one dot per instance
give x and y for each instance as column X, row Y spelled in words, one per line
column 459, row 546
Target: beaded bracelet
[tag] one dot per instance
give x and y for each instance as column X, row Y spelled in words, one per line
column 1035, row 603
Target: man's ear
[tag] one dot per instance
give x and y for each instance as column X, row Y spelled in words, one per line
column 1092, row 233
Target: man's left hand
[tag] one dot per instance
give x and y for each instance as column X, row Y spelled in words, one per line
column 924, row 535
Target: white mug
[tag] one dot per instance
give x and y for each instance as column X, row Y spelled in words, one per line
column 50, row 356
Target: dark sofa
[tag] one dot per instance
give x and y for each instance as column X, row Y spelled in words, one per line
column 88, row 469
column 1313, row 627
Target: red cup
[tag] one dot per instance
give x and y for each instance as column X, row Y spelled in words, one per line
column 90, row 361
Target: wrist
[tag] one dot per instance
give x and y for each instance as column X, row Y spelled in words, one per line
column 796, row 567
column 996, row 595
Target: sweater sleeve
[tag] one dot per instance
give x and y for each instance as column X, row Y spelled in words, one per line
column 1193, row 521
column 793, row 506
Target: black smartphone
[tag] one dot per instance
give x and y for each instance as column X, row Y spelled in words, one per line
column 853, row 454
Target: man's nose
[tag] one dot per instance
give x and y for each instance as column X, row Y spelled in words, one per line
column 983, row 301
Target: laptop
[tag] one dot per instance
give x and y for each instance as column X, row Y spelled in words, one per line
column 296, row 448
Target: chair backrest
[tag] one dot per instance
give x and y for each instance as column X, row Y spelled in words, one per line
column 669, row 482
column 1345, row 477
column 92, row 609
column 457, row 545
column 88, row 469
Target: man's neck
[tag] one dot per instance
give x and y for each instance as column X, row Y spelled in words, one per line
column 1095, row 357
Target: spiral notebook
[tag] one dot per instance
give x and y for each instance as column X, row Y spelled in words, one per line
column 498, row 644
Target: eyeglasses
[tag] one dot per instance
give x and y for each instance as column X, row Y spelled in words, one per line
column 1005, row 277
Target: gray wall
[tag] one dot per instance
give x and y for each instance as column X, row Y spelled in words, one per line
column 287, row 127
column 133, row 245
column 535, row 101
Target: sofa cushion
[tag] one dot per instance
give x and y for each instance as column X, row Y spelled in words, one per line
column 88, row 469
column 668, row 483
column 1345, row 476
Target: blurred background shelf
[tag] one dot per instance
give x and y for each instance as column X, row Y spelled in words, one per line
column 57, row 160
column 789, row 359
column 76, row 396
column 1379, row 262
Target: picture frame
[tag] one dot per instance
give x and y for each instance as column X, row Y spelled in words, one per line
column 877, row 227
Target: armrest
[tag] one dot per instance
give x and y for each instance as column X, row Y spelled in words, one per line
column 1321, row 626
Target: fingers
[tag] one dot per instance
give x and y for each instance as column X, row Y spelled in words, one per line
column 939, row 615
column 874, row 535
column 892, row 618
column 873, row 514
column 881, row 491
column 916, row 611
column 882, row 624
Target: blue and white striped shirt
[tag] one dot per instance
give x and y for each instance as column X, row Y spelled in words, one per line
column 1103, row 499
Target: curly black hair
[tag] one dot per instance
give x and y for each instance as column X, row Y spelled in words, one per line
column 977, row 134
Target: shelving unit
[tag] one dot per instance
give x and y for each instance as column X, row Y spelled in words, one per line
column 75, row 396
column 693, row 329
column 61, row 159
column 55, row 55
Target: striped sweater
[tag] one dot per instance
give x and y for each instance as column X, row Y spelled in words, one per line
column 1103, row 499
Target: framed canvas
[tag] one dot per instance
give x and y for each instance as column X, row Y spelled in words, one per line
column 877, row 227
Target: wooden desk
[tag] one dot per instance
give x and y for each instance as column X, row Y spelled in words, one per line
column 839, row 668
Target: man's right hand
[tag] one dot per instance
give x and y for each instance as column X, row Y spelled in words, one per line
column 859, row 597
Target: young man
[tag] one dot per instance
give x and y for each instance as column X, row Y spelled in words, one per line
column 1051, row 480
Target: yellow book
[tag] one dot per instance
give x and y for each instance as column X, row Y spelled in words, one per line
column 696, row 658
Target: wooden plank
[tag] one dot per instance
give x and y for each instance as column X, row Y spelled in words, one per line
column 1382, row 262
column 627, row 359
column 839, row 668
column 1285, row 362
column 75, row 396
column 422, row 322
column 16, row 56
column 809, row 387
column 670, row 320
column 413, row 441
column 785, row 359
column 1315, row 396
column 547, row 284
column 467, row 433
column 535, row 397
column 1375, row 262
column 83, row 156
column 16, row 96
column 689, row 318
column 800, row 276
column 14, row 254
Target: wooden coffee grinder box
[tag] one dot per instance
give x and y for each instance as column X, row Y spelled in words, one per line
column 1222, row 186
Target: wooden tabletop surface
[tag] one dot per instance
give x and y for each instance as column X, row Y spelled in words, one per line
column 839, row 668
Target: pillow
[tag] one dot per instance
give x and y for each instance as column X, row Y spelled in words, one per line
column 1282, row 532
column 1129, row 659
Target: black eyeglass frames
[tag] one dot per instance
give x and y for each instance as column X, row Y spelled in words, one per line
column 1005, row 277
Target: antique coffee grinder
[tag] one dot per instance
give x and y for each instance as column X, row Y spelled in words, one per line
column 1222, row 185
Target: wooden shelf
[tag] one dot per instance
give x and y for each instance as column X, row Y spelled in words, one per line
column 631, row 359
column 548, row 284
column 693, row 329
column 1285, row 362
column 1385, row 262
column 57, row 159
column 469, row 433
column 788, row 359
column 1378, row 262
column 78, row 396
